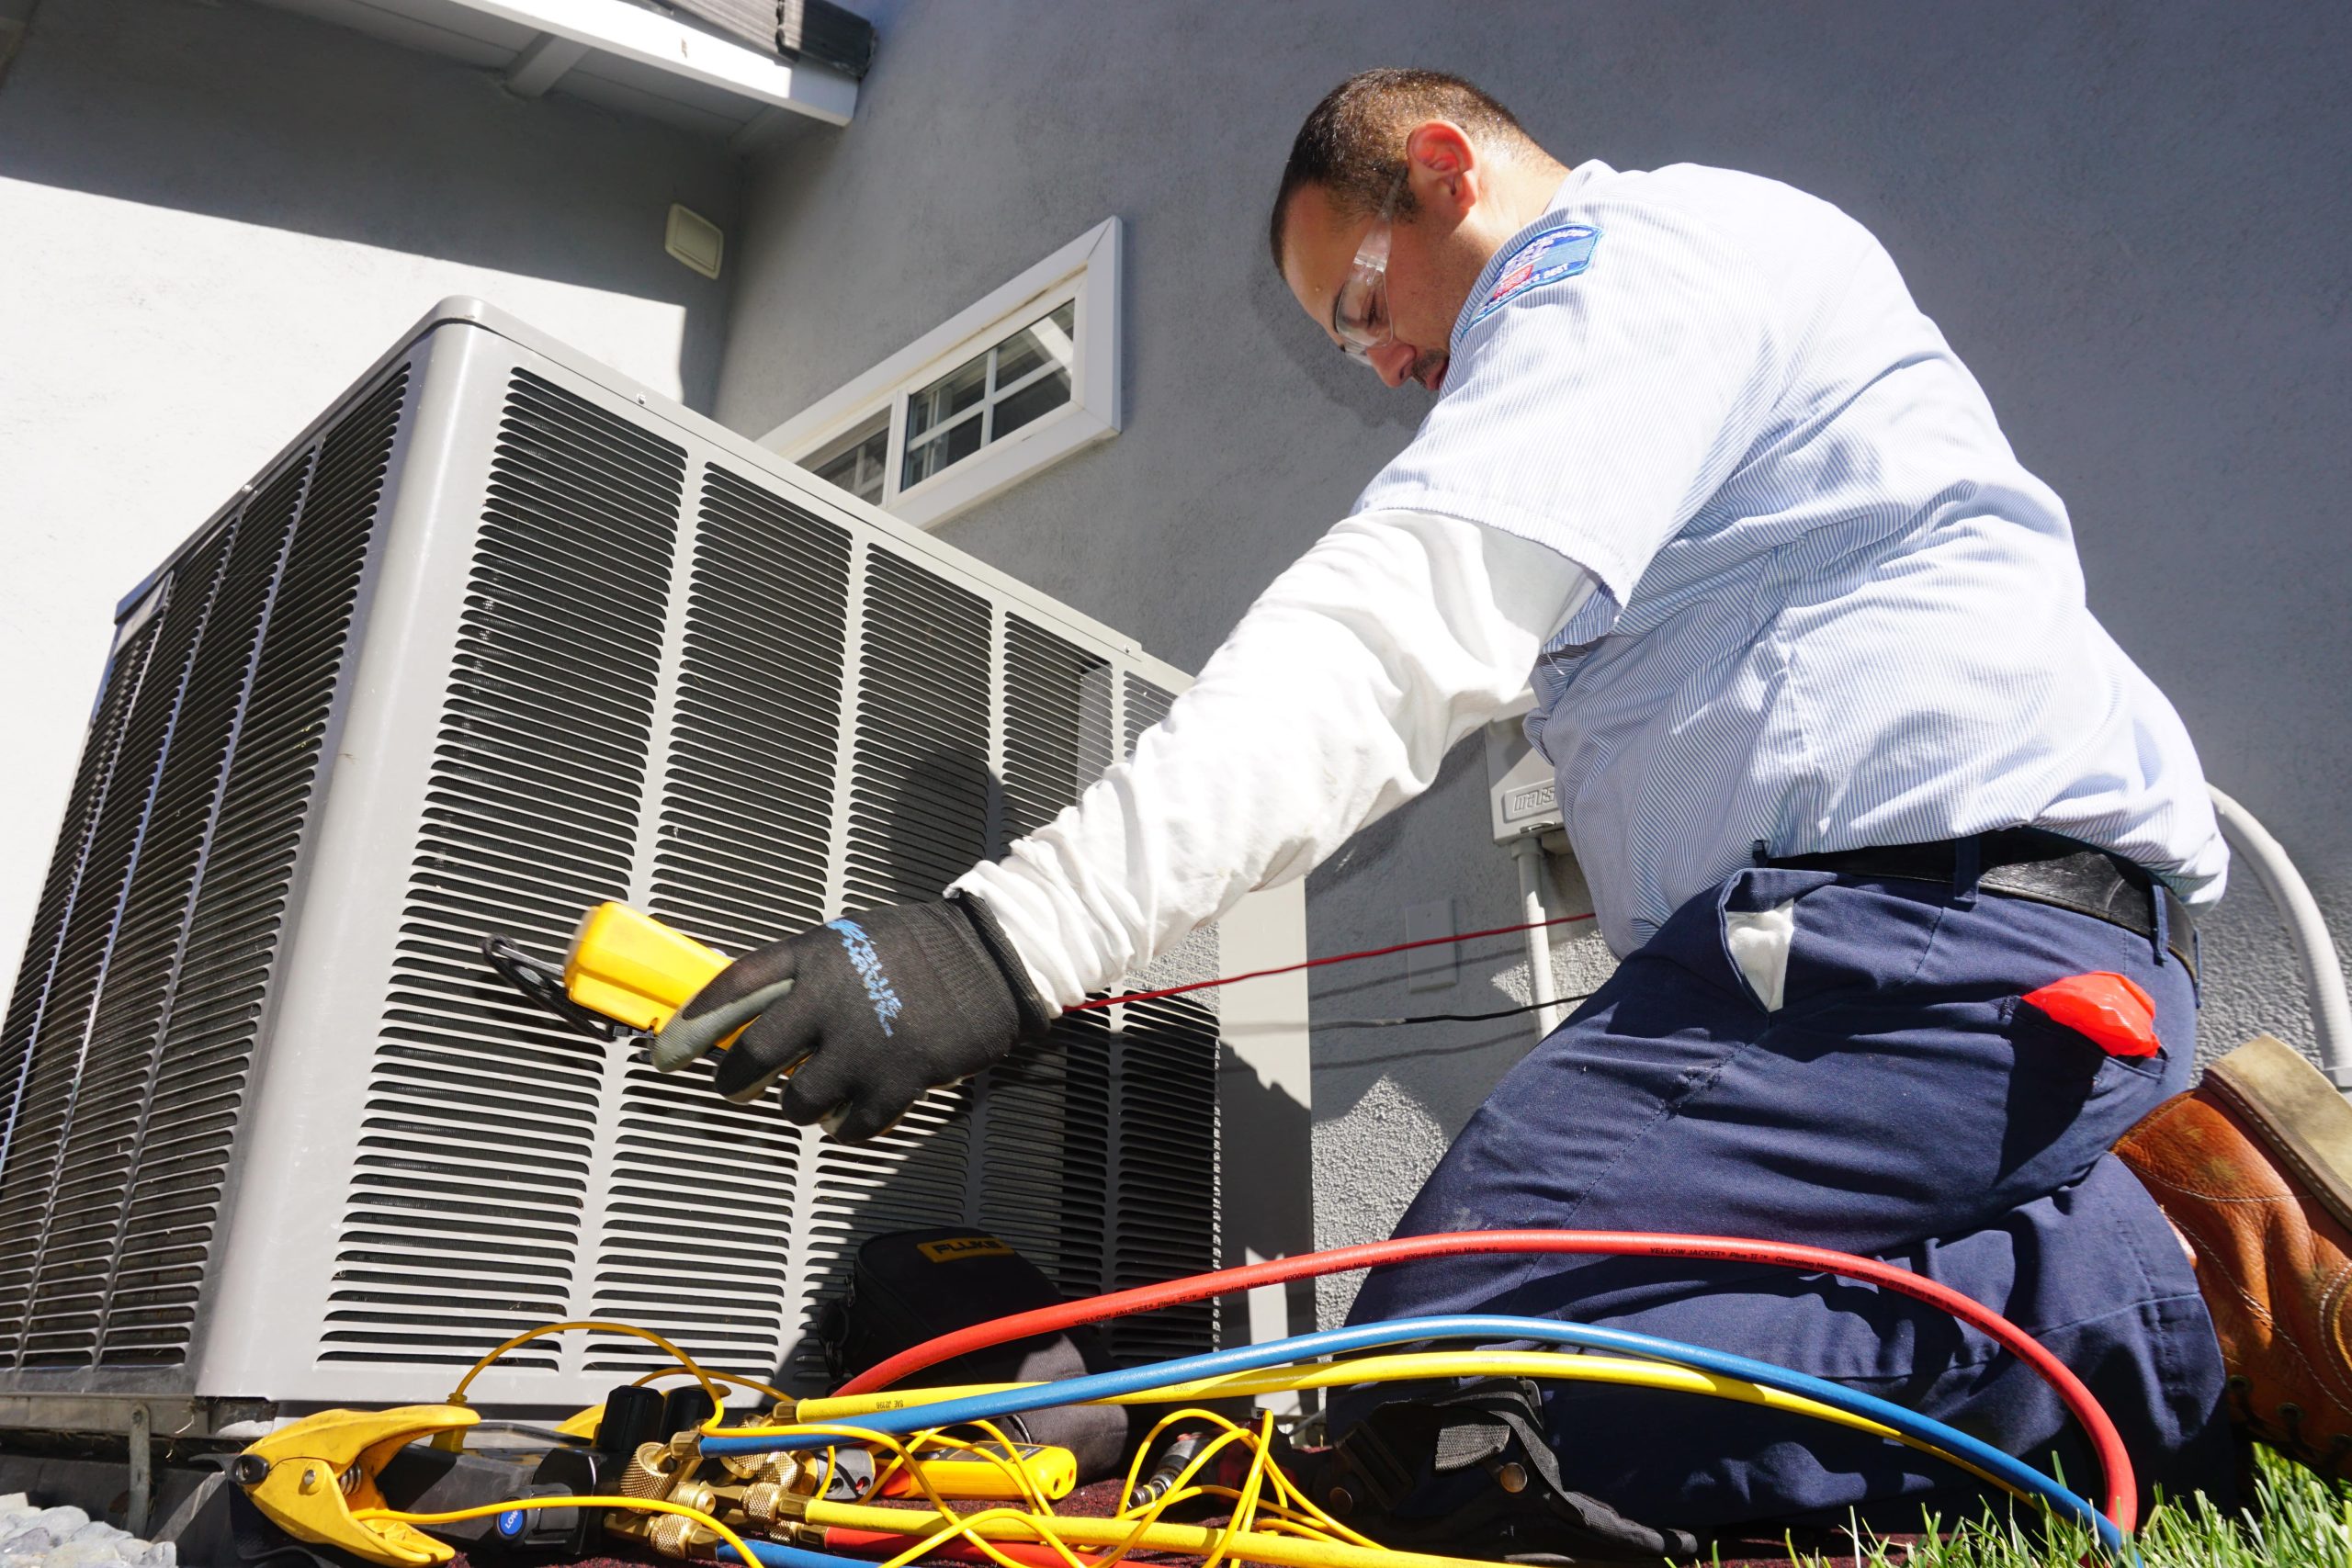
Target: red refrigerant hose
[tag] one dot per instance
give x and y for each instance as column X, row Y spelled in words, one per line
column 867, row 1543
column 2122, row 1489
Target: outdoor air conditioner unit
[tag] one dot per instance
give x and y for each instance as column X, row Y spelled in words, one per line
column 500, row 636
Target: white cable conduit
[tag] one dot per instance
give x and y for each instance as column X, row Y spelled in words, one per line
column 2323, row 972
column 1528, row 852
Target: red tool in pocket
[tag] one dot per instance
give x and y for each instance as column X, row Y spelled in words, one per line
column 2108, row 1010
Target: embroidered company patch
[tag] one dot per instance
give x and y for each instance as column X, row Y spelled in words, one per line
column 1552, row 255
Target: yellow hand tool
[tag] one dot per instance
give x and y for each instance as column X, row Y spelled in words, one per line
column 307, row 1478
column 1052, row 1470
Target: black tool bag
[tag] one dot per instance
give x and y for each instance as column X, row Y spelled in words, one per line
column 909, row 1286
column 1469, row 1473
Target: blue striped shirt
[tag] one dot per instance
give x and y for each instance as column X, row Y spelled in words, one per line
column 1835, row 610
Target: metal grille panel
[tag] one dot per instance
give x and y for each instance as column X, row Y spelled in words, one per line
column 1146, row 705
column 472, row 1171
column 84, row 880
column 747, row 811
column 1058, row 734
column 52, row 1332
column 1044, row 1178
column 699, row 1224
column 229, row 947
column 132, row 1100
column 1046, row 1158
column 1165, row 1225
column 1165, row 1105
column 920, row 788
column 120, row 1060
column 918, row 816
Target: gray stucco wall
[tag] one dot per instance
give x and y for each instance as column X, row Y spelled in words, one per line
column 212, row 217
column 2131, row 222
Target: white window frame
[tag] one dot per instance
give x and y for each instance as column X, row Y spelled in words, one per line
column 1086, row 271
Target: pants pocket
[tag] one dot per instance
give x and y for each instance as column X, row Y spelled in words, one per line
column 1756, row 915
column 2050, row 1050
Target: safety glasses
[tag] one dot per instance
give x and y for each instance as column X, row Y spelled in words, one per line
column 1360, row 311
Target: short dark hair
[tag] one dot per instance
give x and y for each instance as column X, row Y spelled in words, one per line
column 1353, row 144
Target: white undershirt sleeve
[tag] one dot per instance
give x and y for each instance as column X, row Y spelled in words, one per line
column 1332, row 702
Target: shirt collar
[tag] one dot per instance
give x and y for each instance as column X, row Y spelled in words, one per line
column 1553, row 216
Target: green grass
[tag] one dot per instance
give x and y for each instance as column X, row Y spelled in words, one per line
column 2295, row 1521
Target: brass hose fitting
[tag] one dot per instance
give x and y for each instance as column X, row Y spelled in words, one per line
column 760, row 1502
column 743, row 1467
column 650, row 1472
column 674, row 1535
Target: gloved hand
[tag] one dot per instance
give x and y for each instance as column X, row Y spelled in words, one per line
column 867, row 1013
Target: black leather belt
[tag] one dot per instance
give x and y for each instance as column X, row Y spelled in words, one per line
column 2030, row 864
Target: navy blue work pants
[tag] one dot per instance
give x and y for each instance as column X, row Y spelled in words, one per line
column 1900, row 1104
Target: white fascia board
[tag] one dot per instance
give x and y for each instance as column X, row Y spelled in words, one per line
column 615, row 27
column 1092, row 414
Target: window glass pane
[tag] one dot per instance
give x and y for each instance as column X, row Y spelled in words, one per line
column 952, row 446
column 947, row 397
column 1033, row 344
column 986, row 398
column 1046, row 392
column 855, row 462
column 869, row 465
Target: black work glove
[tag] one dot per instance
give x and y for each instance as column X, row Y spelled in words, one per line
column 867, row 1013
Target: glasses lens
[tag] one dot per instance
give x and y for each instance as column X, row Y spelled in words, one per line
column 1351, row 316
column 1360, row 313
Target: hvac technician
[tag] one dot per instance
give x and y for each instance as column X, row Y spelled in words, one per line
column 1843, row 755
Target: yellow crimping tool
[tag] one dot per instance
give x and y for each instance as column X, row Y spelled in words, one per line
column 307, row 1478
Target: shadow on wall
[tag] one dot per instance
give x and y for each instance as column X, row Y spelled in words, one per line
column 243, row 113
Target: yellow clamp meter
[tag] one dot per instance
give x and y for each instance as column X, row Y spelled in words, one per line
column 624, row 968
column 625, row 965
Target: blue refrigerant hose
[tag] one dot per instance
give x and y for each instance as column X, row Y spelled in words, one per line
column 1487, row 1328
column 772, row 1555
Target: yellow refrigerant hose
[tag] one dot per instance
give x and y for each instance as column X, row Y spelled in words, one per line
column 1148, row 1533
column 843, row 1412
column 1192, row 1540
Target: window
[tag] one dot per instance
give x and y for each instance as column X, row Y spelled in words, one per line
column 855, row 462
column 989, row 396
column 1017, row 382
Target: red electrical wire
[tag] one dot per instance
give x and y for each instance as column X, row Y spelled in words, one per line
column 1315, row 964
column 2122, row 1489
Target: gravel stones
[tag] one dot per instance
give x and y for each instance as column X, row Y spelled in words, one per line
column 68, row 1538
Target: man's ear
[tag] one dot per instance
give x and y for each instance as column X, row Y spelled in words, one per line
column 1442, row 171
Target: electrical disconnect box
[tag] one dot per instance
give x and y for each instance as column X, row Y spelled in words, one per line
column 1522, row 797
